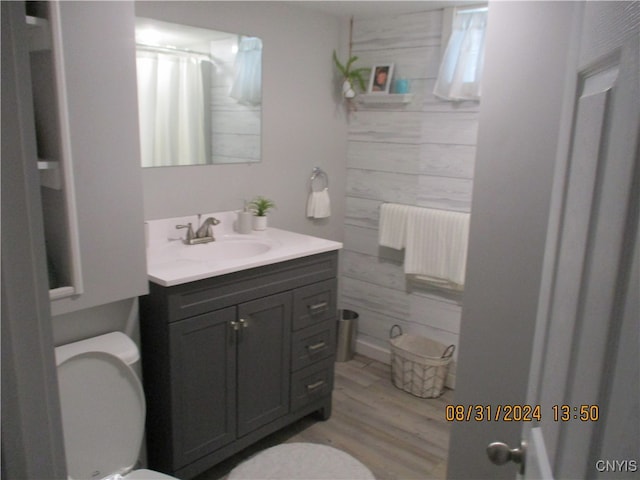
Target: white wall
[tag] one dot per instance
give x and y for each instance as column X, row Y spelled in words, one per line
column 303, row 123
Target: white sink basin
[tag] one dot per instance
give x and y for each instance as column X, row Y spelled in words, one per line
column 170, row 262
column 227, row 249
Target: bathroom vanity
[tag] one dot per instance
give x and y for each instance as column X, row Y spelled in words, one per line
column 234, row 356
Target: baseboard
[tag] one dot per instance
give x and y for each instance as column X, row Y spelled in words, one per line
column 384, row 355
column 373, row 351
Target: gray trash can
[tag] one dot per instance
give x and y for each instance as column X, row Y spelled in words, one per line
column 347, row 331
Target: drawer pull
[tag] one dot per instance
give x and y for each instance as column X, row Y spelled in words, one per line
column 318, row 307
column 315, row 386
column 316, row 346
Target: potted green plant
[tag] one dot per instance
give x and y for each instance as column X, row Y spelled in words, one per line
column 260, row 206
column 350, row 76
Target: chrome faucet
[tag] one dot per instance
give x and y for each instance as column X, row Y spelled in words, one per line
column 204, row 234
column 206, row 229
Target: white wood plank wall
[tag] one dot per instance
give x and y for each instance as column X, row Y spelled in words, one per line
column 421, row 153
column 235, row 128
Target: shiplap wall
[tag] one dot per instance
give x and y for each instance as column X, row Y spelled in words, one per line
column 235, row 128
column 421, row 153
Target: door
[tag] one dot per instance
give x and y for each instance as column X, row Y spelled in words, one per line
column 264, row 334
column 32, row 439
column 586, row 344
column 519, row 253
column 203, row 373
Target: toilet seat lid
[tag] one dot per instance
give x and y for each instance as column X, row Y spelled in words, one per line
column 103, row 411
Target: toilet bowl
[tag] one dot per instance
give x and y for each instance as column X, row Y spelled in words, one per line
column 103, row 408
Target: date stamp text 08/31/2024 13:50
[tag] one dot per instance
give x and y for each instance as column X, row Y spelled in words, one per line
column 521, row 413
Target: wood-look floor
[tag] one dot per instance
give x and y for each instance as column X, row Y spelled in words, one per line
column 396, row 435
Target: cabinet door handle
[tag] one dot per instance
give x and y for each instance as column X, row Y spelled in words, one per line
column 242, row 324
column 316, row 346
column 235, row 325
column 318, row 307
column 314, row 386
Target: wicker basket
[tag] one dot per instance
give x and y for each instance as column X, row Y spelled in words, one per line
column 419, row 365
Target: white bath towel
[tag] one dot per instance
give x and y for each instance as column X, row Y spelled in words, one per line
column 392, row 230
column 319, row 204
column 436, row 246
column 435, row 242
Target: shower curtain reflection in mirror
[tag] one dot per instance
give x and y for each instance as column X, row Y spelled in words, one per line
column 200, row 95
column 171, row 104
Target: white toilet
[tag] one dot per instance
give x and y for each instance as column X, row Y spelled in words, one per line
column 103, row 408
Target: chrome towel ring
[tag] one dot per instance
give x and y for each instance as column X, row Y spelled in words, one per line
column 319, row 180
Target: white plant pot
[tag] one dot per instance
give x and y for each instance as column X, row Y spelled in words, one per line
column 259, row 223
column 347, row 89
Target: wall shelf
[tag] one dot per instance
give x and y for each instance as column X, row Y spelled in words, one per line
column 39, row 33
column 385, row 98
column 50, row 175
column 51, row 124
column 61, row 292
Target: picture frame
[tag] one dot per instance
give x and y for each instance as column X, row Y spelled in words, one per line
column 380, row 80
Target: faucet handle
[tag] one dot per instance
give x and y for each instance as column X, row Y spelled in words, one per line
column 190, row 233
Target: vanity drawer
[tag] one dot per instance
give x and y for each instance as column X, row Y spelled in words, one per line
column 313, row 344
column 314, row 304
column 311, row 383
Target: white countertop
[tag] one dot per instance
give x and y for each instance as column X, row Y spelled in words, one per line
column 170, row 262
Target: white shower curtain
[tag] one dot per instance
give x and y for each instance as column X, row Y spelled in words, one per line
column 171, row 109
column 461, row 68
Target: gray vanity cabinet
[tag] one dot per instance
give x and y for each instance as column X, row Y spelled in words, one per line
column 231, row 359
column 230, row 374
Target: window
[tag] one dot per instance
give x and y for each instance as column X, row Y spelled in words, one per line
column 461, row 68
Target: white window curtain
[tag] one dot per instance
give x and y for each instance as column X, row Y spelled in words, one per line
column 247, row 82
column 461, row 68
column 171, row 109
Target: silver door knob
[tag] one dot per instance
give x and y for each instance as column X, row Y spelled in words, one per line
column 500, row 453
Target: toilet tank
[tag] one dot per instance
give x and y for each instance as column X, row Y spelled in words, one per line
column 115, row 343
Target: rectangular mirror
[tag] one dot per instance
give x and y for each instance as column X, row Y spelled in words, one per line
column 199, row 95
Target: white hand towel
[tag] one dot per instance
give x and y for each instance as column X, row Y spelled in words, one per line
column 392, row 228
column 436, row 244
column 319, row 204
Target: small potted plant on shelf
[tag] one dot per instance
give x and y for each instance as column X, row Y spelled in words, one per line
column 260, row 206
column 350, row 76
